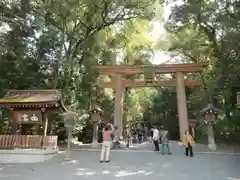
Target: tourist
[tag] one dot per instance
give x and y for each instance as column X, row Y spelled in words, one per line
column 145, row 133
column 164, row 139
column 140, row 136
column 155, row 138
column 115, row 138
column 188, row 143
column 128, row 137
column 107, row 142
column 151, row 133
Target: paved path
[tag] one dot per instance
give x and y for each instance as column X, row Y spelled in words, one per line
column 129, row 165
column 147, row 146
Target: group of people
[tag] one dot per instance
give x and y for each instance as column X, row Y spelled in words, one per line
column 158, row 137
column 162, row 137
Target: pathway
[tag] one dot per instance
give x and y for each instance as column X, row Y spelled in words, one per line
column 132, row 164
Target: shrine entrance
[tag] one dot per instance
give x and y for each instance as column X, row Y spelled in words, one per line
column 119, row 82
column 29, row 123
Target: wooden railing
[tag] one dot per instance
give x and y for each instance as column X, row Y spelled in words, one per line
column 27, row 141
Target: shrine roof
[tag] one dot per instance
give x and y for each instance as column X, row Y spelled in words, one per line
column 209, row 108
column 97, row 109
column 24, row 97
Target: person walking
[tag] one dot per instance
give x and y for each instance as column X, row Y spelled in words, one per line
column 155, row 138
column 188, row 143
column 164, row 139
column 107, row 142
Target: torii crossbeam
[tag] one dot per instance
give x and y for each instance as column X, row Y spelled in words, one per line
column 119, row 83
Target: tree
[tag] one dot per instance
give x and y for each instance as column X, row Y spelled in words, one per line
column 208, row 31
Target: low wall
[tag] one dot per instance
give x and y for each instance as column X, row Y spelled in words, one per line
column 26, row 155
column 27, row 141
column 27, row 148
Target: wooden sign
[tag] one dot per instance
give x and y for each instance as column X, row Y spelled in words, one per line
column 149, row 72
column 28, row 117
column 238, row 98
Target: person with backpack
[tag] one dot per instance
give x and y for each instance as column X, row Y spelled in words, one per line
column 107, row 142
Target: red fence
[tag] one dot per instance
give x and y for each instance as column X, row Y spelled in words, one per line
column 27, row 141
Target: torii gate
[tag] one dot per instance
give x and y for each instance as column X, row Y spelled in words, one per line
column 118, row 82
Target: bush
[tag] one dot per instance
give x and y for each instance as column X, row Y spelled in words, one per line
column 86, row 134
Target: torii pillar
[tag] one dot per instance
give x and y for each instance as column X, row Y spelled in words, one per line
column 182, row 104
column 118, row 107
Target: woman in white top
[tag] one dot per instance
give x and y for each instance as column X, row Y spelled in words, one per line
column 156, row 138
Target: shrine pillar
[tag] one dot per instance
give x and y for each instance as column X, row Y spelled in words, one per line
column 182, row 104
column 44, row 121
column 118, row 107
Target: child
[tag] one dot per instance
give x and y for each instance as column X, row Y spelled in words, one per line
column 188, row 143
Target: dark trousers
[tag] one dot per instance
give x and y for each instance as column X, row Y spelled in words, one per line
column 189, row 149
column 128, row 142
column 156, row 145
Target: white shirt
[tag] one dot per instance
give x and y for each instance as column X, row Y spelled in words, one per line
column 155, row 134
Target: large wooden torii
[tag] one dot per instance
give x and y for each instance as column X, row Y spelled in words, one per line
column 118, row 82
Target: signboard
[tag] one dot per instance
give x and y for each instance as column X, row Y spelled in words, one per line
column 238, row 98
column 29, row 117
column 149, row 72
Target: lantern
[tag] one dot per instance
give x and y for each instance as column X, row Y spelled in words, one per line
column 210, row 115
column 70, row 119
column 69, row 122
column 96, row 114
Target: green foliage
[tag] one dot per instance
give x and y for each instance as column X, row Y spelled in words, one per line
column 85, row 135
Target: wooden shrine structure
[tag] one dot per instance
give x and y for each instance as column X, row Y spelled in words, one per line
column 119, row 82
column 29, row 110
